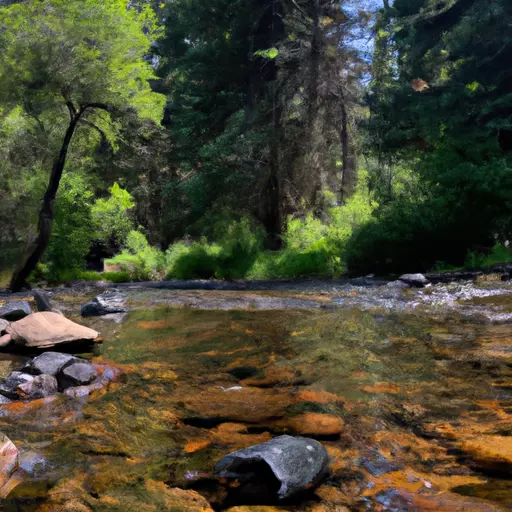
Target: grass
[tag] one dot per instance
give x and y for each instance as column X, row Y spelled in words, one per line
column 475, row 260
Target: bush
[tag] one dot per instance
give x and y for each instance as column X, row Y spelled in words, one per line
column 498, row 254
column 110, row 216
column 230, row 258
column 139, row 260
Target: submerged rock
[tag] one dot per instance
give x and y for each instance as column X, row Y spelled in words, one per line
column 104, row 304
column 8, row 388
column 77, row 374
column 49, row 363
column 15, row 310
column 277, row 469
column 47, row 329
column 492, row 453
column 41, row 386
column 417, row 280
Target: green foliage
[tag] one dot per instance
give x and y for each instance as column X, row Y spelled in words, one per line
column 498, row 254
column 72, row 234
column 110, row 216
column 79, row 51
column 141, row 261
column 230, row 257
column 270, row 53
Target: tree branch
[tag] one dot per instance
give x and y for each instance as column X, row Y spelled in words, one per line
column 102, row 106
column 300, row 9
column 93, row 126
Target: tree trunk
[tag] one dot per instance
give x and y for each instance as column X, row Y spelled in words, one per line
column 19, row 279
column 346, row 171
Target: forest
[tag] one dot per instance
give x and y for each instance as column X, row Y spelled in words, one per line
column 252, row 139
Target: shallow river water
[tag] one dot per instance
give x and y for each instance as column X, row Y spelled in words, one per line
column 410, row 391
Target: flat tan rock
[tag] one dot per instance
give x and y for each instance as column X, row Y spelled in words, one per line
column 47, row 329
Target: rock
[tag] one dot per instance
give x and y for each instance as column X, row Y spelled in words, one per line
column 50, row 363
column 4, row 400
column 42, row 300
column 397, row 284
column 3, row 325
column 105, row 304
column 47, row 329
column 280, row 468
column 5, row 340
column 15, row 310
column 9, row 386
column 32, row 462
column 41, row 386
column 377, row 465
column 416, row 280
column 493, row 453
column 314, row 424
column 9, row 456
column 77, row 374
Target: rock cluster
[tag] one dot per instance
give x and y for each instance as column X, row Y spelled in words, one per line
column 48, row 374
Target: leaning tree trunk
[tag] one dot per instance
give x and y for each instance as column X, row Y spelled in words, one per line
column 19, row 279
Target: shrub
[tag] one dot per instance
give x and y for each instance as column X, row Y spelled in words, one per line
column 139, row 260
column 498, row 254
column 110, row 216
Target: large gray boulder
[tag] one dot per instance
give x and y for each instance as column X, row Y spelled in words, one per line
column 77, row 374
column 277, row 469
column 15, row 310
column 47, row 329
column 105, row 304
column 416, row 280
column 41, row 386
column 49, row 363
column 9, row 387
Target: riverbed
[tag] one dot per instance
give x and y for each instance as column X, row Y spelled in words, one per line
column 409, row 390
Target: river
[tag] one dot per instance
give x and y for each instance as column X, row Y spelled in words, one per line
column 409, row 390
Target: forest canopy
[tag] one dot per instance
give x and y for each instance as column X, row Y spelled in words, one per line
column 253, row 139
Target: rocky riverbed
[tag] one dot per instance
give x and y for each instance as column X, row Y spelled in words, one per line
column 408, row 390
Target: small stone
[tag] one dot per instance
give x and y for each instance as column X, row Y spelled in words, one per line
column 105, row 304
column 15, row 310
column 77, row 374
column 41, row 386
column 49, row 363
column 416, row 280
column 8, row 387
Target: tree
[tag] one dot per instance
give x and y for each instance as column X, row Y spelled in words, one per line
column 80, row 64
